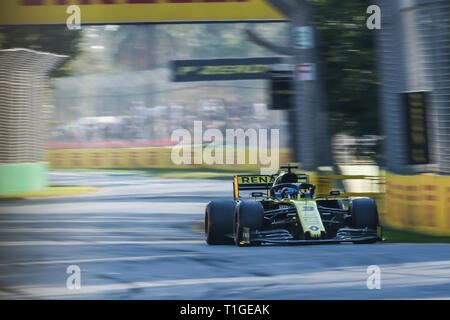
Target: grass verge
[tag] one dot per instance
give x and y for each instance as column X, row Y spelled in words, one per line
column 400, row 236
column 50, row 192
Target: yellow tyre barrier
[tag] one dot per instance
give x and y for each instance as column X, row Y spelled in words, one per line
column 418, row 203
column 132, row 158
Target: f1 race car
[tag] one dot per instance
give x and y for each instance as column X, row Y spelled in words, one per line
column 289, row 213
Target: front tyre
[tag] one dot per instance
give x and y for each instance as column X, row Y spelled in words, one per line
column 219, row 218
column 364, row 213
column 249, row 216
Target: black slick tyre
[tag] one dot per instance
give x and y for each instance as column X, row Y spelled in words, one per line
column 249, row 215
column 219, row 218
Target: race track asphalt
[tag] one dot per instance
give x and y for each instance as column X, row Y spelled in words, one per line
column 135, row 239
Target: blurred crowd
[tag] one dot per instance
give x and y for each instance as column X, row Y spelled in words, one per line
column 157, row 123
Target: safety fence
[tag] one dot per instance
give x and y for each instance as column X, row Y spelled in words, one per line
column 414, row 56
column 24, row 114
column 24, row 103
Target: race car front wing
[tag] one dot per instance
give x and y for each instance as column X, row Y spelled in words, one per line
column 284, row 237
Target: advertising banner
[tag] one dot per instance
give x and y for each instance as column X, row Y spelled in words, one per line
column 222, row 69
column 135, row 11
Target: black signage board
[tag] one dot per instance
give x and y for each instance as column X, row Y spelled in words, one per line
column 222, row 69
column 281, row 93
column 415, row 106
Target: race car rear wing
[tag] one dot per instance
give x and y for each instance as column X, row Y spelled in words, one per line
column 258, row 182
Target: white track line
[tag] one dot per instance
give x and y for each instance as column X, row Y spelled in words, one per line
column 108, row 207
column 70, row 261
column 79, row 230
column 114, row 220
column 82, row 243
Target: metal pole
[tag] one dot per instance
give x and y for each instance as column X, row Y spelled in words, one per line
column 307, row 93
column 309, row 122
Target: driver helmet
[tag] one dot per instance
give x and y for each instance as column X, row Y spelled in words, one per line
column 306, row 194
column 289, row 192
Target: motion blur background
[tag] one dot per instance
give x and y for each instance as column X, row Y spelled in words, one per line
column 110, row 101
column 86, row 119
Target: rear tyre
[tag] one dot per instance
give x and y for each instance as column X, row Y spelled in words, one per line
column 250, row 215
column 219, row 218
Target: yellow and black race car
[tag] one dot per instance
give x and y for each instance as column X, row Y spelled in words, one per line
column 289, row 213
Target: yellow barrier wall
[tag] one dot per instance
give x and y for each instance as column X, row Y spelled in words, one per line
column 129, row 158
column 418, row 203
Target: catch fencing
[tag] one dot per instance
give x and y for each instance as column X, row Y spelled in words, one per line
column 414, row 55
column 24, row 104
column 24, row 115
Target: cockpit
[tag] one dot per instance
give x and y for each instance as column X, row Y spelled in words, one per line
column 295, row 191
column 289, row 185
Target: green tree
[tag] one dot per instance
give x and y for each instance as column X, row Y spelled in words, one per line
column 347, row 50
column 48, row 38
